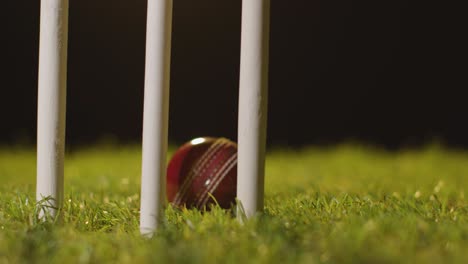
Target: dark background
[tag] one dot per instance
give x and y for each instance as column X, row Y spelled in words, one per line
column 387, row 73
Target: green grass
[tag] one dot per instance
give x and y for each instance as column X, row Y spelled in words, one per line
column 346, row 204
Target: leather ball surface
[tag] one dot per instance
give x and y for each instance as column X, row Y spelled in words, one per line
column 201, row 172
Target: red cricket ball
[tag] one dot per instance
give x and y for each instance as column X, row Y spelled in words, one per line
column 202, row 170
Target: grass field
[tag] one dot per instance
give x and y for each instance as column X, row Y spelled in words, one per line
column 346, row 204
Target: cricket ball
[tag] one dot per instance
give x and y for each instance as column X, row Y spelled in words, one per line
column 203, row 172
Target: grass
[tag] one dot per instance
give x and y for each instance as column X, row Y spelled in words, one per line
column 346, row 204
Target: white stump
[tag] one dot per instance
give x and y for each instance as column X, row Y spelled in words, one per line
column 253, row 100
column 156, row 112
column 52, row 102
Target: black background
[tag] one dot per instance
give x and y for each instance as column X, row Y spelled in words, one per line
column 388, row 73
